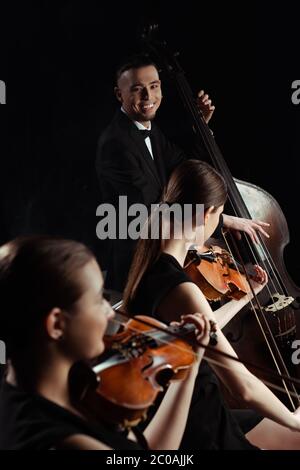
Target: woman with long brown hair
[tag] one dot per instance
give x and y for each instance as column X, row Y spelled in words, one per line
column 158, row 286
column 53, row 314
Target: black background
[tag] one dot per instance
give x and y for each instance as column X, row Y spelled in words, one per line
column 58, row 62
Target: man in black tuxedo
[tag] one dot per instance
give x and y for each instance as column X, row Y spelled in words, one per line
column 135, row 159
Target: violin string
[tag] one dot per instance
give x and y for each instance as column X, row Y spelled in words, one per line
column 261, row 327
column 164, row 329
column 213, row 360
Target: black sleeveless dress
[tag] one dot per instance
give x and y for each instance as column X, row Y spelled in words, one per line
column 31, row 422
column 210, row 425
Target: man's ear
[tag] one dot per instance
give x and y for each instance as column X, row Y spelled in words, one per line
column 118, row 94
column 55, row 323
column 208, row 212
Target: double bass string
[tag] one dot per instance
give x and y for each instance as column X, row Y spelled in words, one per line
column 267, row 326
column 223, row 167
column 281, row 288
column 209, row 142
column 287, row 391
column 212, row 148
column 172, row 66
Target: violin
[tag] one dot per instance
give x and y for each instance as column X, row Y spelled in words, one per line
column 217, row 275
column 139, row 363
column 120, row 386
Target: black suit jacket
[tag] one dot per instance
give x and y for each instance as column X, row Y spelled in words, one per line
column 125, row 167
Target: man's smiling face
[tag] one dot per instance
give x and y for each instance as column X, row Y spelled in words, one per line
column 139, row 91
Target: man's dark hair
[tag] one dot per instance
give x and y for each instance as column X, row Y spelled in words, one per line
column 134, row 62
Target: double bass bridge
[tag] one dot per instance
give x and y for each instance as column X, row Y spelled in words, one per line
column 281, row 318
column 282, row 301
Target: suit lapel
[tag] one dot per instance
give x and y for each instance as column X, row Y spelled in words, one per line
column 138, row 144
column 147, row 160
column 158, row 160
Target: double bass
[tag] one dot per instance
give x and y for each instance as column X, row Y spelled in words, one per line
column 266, row 333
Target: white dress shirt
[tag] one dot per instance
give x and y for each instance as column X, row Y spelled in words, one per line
column 143, row 128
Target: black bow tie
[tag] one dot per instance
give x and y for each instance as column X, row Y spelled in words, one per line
column 145, row 133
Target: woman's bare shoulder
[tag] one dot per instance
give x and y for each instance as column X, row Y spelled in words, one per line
column 183, row 299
